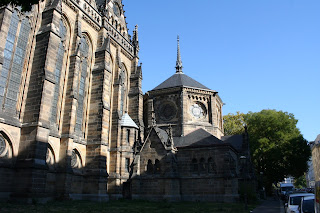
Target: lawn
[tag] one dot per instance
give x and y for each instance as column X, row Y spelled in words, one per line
column 125, row 206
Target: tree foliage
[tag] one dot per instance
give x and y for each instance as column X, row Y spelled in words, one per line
column 25, row 5
column 277, row 147
column 234, row 124
column 300, row 182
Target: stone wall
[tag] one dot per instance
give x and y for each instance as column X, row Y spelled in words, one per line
column 53, row 153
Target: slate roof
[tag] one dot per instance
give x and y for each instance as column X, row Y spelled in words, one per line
column 162, row 134
column 180, row 79
column 197, row 138
column 235, row 140
column 127, row 121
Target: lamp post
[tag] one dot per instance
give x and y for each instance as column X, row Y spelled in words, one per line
column 243, row 160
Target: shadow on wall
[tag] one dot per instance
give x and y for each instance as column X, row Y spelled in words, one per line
column 34, row 175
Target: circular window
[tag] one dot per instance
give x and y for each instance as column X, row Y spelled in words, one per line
column 198, row 110
column 167, row 111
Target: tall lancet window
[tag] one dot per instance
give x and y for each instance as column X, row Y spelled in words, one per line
column 122, row 84
column 57, row 73
column 85, row 54
column 13, row 63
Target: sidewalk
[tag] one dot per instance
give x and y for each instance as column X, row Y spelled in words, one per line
column 270, row 206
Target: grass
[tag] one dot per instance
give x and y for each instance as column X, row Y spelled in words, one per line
column 126, row 206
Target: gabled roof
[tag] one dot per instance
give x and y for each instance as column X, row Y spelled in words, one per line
column 199, row 137
column 235, row 140
column 126, row 121
column 162, row 134
column 180, row 79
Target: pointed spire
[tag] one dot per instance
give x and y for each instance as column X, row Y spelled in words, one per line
column 179, row 62
column 135, row 40
column 135, row 34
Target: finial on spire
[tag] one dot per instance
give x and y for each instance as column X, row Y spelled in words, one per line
column 179, row 62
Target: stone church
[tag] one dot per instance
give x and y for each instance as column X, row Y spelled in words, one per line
column 75, row 124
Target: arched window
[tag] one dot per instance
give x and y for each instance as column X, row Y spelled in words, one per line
column 127, row 164
column 57, row 73
column 194, row 166
column 50, row 158
column 202, row 165
column 76, row 161
column 13, row 63
column 149, row 167
column 157, row 168
column 5, row 148
column 122, row 84
column 85, row 54
column 211, row 166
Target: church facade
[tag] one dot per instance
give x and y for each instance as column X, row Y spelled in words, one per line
column 74, row 122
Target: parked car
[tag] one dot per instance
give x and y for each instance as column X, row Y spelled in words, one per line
column 307, row 204
column 285, row 187
column 294, row 201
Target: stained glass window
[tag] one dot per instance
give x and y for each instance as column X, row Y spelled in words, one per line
column 57, row 71
column 84, row 53
column 8, row 52
column 122, row 83
column 14, row 55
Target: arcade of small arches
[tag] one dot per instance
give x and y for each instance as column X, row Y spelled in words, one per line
column 76, row 159
column 203, row 166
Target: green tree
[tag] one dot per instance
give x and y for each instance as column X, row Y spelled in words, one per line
column 26, row 5
column 277, row 147
column 300, row 182
column 234, row 124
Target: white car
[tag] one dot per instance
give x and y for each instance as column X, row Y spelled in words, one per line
column 307, row 204
column 294, row 201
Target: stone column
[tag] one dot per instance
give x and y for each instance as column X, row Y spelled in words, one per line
column 65, row 172
column 98, row 133
column 31, row 168
column 135, row 109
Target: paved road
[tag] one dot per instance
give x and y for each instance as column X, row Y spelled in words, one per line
column 270, row 206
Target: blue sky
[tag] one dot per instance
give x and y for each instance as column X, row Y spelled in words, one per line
column 258, row 54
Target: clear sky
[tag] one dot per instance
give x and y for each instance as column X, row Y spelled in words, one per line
column 258, row 54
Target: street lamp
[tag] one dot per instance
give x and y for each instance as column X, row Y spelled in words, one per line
column 243, row 160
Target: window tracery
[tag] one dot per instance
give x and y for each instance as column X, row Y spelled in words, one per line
column 122, row 84
column 5, row 148
column 57, row 72
column 76, row 162
column 85, row 55
column 14, row 56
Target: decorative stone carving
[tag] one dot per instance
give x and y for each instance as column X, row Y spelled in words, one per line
column 167, row 111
